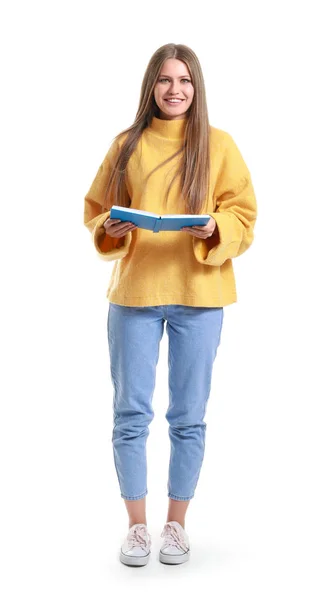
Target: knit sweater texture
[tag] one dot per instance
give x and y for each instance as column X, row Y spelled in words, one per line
column 174, row 267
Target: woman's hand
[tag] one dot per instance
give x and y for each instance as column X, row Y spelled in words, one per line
column 117, row 228
column 200, row 231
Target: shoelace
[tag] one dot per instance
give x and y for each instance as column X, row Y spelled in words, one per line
column 174, row 537
column 137, row 537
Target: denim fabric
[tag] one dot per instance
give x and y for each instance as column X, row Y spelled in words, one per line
column 134, row 335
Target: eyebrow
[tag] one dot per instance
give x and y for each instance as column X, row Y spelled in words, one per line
column 180, row 77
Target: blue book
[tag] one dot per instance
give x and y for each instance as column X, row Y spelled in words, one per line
column 154, row 222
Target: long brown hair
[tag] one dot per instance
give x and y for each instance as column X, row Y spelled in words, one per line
column 194, row 166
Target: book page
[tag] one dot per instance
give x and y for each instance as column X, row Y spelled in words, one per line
column 143, row 213
column 184, row 215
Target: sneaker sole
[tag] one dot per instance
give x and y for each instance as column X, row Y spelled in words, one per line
column 134, row 561
column 169, row 559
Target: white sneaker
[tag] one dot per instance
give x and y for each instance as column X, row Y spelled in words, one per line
column 176, row 546
column 136, row 549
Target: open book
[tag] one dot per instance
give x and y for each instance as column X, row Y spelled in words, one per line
column 154, row 222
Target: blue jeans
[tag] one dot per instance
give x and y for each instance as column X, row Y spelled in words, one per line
column 134, row 335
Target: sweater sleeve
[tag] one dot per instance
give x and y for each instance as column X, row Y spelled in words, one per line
column 235, row 211
column 108, row 248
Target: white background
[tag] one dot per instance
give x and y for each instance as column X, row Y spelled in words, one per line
column 259, row 523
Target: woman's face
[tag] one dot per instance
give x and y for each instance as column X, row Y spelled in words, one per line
column 175, row 82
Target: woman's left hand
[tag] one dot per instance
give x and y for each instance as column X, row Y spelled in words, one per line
column 200, row 231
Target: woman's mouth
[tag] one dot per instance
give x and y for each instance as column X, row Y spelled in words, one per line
column 173, row 102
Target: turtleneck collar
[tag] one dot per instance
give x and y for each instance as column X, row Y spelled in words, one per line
column 173, row 129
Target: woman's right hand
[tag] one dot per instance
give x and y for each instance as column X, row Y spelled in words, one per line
column 117, row 228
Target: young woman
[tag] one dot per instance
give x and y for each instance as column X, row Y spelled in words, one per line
column 170, row 161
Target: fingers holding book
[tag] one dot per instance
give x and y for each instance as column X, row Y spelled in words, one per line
column 117, row 228
column 204, row 231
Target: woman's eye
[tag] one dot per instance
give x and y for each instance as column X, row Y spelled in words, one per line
column 166, row 79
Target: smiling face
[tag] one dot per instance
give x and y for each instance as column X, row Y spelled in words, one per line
column 174, row 82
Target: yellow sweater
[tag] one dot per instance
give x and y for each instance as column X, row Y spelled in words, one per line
column 174, row 267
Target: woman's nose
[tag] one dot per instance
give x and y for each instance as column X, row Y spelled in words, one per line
column 174, row 88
